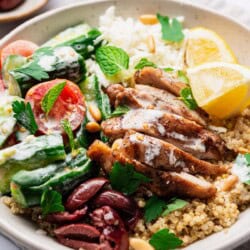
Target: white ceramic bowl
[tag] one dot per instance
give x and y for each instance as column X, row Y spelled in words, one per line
column 42, row 27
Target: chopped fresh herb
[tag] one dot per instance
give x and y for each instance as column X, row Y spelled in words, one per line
column 168, row 69
column 51, row 202
column 51, row 96
column 34, row 70
column 171, row 29
column 154, row 208
column 164, row 240
column 120, row 110
column 102, row 100
column 125, row 179
column 68, row 130
column 144, row 62
column 187, row 97
column 112, row 59
column 174, row 204
column 24, row 115
column 241, row 168
column 182, row 76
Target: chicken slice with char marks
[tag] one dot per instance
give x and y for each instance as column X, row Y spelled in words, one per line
column 163, row 183
column 164, row 156
column 185, row 134
column 160, row 79
column 146, row 97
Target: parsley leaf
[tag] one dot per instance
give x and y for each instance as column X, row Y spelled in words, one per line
column 154, row 208
column 174, row 204
column 187, row 98
column 34, row 70
column 51, row 96
column 24, row 115
column 102, row 100
column 168, row 69
column 120, row 110
column 241, row 168
column 68, row 130
column 144, row 62
column 51, row 202
column 164, row 240
column 171, row 30
column 182, row 76
column 111, row 59
column 125, row 179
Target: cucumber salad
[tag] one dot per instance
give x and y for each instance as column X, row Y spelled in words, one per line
column 108, row 141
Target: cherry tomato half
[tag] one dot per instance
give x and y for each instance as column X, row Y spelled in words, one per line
column 19, row 47
column 69, row 105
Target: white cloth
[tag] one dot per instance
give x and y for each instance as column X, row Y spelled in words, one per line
column 239, row 9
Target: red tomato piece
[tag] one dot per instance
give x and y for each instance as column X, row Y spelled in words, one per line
column 19, row 47
column 69, row 105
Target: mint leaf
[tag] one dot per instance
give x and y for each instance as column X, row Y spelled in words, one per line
column 241, row 168
column 144, row 62
column 68, row 130
column 102, row 100
column 34, row 70
column 51, row 202
column 24, row 115
column 182, row 76
column 174, row 204
column 171, row 29
column 125, row 179
column 154, row 208
column 120, row 110
column 187, row 97
column 111, row 59
column 164, row 240
column 51, row 96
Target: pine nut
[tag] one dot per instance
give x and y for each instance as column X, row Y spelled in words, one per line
column 139, row 244
column 148, row 19
column 243, row 150
column 95, row 112
column 116, row 144
column 229, row 182
column 93, row 127
column 151, row 44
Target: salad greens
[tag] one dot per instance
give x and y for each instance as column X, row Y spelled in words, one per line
column 144, row 62
column 68, row 130
column 188, row 98
column 51, row 96
column 112, row 59
column 24, row 115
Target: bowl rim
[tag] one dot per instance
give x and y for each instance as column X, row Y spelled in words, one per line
column 20, row 238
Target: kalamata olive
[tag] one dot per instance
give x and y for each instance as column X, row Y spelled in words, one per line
column 131, row 221
column 64, row 217
column 75, row 231
column 77, row 244
column 9, row 4
column 112, row 227
column 84, row 193
column 115, row 200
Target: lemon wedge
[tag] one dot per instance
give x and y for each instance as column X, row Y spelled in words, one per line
column 221, row 89
column 204, row 45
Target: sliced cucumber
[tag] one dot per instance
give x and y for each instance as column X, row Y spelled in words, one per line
column 68, row 34
column 12, row 62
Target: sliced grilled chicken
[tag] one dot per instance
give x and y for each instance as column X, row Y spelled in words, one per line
column 163, row 183
column 151, row 98
column 160, row 79
column 183, row 133
column 165, row 156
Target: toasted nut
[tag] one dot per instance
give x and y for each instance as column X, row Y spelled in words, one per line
column 93, row 127
column 151, row 44
column 243, row 150
column 95, row 112
column 116, row 144
column 229, row 182
column 139, row 244
column 148, row 19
